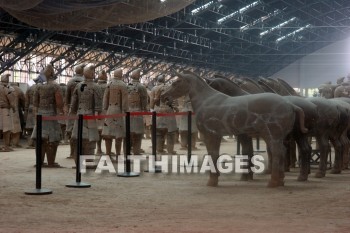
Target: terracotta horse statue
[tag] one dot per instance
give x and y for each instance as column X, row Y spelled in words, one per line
column 332, row 125
column 266, row 115
column 230, row 88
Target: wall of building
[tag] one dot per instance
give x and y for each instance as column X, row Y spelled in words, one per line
column 326, row 64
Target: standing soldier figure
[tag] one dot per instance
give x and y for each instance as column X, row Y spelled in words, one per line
column 102, row 83
column 86, row 101
column 137, row 103
column 17, row 118
column 7, row 107
column 166, row 125
column 48, row 101
column 115, row 101
column 29, row 114
column 72, row 83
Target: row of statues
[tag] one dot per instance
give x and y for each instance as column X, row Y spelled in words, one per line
column 12, row 100
column 82, row 95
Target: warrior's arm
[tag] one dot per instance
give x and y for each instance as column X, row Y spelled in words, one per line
column 59, row 100
column 125, row 101
column 74, row 102
column 106, row 98
column 152, row 98
column 144, row 97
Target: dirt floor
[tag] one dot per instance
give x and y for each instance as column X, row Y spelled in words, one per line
column 167, row 202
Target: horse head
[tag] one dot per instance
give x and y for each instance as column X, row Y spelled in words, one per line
column 178, row 88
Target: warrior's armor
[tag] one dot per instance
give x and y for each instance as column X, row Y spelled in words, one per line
column 115, row 101
column 7, row 107
column 102, row 83
column 48, row 101
column 166, row 125
column 72, row 83
column 86, row 101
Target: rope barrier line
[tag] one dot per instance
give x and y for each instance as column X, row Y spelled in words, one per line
column 59, row 118
column 91, row 117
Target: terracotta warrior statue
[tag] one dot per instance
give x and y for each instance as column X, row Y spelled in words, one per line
column 115, row 101
column 86, row 101
column 166, row 125
column 137, row 96
column 48, row 101
column 102, row 83
column 17, row 118
column 326, row 90
column 72, row 83
column 7, row 107
column 29, row 115
column 185, row 106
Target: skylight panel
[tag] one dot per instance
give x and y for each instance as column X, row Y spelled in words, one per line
column 240, row 11
column 292, row 33
column 278, row 26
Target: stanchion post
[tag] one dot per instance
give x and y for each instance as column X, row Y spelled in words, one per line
column 127, row 162
column 154, row 142
column 39, row 161
column 78, row 183
column 189, row 136
column 238, row 146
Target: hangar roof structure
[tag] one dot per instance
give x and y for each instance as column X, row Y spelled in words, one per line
column 244, row 37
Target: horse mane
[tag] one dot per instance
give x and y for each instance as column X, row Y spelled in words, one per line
column 287, row 86
column 266, row 86
column 222, row 77
column 187, row 72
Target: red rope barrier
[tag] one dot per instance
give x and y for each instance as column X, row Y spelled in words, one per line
column 91, row 117
column 59, row 118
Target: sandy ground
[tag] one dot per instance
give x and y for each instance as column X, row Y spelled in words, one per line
column 167, row 202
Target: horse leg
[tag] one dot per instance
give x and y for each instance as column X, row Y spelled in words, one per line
column 324, row 149
column 288, row 143
column 278, row 152
column 247, row 149
column 338, row 150
column 212, row 143
column 304, row 156
column 269, row 160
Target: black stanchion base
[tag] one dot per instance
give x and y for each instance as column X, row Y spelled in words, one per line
column 128, row 174
column 42, row 191
column 78, row 185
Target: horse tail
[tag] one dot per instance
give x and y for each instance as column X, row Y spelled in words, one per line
column 301, row 116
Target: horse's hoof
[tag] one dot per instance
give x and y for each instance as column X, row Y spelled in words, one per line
column 212, row 183
column 302, row 178
column 273, row 184
column 319, row 175
column 246, row 177
column 335, row 171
